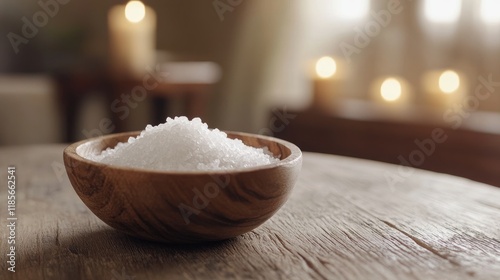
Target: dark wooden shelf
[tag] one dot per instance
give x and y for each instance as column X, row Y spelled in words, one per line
column 471, row 150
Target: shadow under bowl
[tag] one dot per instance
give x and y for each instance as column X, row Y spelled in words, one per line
column 178, row 206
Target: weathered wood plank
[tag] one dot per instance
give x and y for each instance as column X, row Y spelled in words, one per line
column 443, row 214
column 342, row 221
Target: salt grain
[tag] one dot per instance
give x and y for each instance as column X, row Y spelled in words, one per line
column 184, row 145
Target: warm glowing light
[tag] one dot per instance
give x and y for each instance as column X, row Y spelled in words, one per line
column 390, row 90
column 326, row 67
column 352, row 9
column 490, row 11
column 449, row 81
column 135, row 11
column 442, row 11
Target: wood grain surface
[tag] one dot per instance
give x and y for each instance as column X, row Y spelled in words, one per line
column 342, row 221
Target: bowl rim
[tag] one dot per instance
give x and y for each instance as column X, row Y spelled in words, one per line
column 294, row 157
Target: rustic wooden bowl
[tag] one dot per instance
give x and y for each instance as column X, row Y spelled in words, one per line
column 183, row 207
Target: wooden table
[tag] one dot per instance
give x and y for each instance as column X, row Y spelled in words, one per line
column 343, row 221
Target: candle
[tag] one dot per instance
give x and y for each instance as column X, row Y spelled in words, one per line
column 392, row 94
column 449, row 82
column 390, row 90
column 444, row 88
column 327, row 83
column 326, row 67
column 132, row 30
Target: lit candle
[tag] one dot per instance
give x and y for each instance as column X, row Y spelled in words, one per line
column 444, row 88
column 392, row 94
column 449, row 82
column 132, row 30
column 391, row 90
column 327, row 83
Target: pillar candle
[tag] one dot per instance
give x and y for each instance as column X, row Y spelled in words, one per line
column 327, row 83
column 132, row 30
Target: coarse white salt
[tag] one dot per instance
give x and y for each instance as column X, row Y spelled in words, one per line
column 183, row 145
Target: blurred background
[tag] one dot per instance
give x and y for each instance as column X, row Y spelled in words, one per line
column 415, row 83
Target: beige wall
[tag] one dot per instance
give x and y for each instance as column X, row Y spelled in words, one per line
column 191, row 27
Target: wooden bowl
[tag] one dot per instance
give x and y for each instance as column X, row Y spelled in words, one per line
column 183, row 207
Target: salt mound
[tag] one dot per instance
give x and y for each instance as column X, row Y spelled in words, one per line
column 183, row 145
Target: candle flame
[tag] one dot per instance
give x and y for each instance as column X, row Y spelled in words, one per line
column 326, row 67
column 390, row 90
column 135, row 11
column 449, row 81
